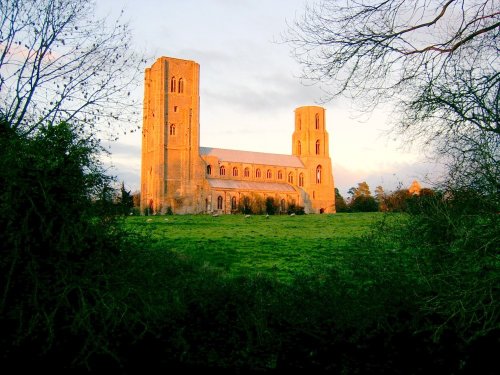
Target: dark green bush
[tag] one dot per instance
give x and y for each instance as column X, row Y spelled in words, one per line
column 417, row 295
column 295, row 209
column 59, row 240
column 455, row 239
column 271, row 206
column 364, row 203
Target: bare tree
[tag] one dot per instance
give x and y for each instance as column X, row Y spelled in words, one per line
column 59, row 62
column 436, row 61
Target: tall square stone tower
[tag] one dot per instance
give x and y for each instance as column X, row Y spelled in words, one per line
column 171, row 172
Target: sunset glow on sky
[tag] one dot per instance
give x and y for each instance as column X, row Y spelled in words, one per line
column 250, row 86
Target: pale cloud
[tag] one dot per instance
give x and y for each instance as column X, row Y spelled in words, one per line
column 249, row 89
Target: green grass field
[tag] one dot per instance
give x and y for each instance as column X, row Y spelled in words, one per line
column 279, row 245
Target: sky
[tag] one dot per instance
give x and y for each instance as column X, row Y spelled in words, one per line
column 250, row 87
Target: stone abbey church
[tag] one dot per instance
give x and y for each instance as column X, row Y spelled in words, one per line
column 179, row 174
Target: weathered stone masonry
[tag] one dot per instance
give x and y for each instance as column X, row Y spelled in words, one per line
column 177, row 173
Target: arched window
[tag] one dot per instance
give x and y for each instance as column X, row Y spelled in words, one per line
column 283, row 205
column 209, row 170
column 222, row 170
column 172, row 84
column 233, row 203
column 219, row 202
column 300, row 122
column 318, row 174
column 235, row 172
column 317, row 147
column 257, row 173
column 299, row 148
column 181, row 85
column 317, row 121
column 290, row 178
column 280, row 175
column 269, row 174
column 172, row 129
column 301, row 179
column 247, row 172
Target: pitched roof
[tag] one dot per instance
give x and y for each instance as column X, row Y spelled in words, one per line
column 250, row 185
column 251, row 157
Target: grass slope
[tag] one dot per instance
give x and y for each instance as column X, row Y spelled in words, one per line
column 283, row 246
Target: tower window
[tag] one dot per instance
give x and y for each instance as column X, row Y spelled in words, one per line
column 300, row 122
column 318, row 174
column 301, row 179
column 222, row 170
column 247, row 172
column 235, row 172
column 257, row 173
column 181, row 85
column 172, row 84
column 299, row 148
column 317, row 121
column 219, row 202
column 317, row 147
column 209, row 170
column 172, row 129
column 290, row 178
column 175, row 108
column 269, row 174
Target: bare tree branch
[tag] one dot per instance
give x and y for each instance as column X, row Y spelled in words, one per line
column 58, row 62
column 435, row 61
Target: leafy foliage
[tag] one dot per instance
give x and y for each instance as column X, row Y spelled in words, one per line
column 362, row 190
column 126, row 201
column 364, row 203
column 455, row 238
column 340, row 204
column 271, row 206
column 58, row 241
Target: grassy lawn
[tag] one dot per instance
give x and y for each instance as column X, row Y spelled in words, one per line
column 278, row 245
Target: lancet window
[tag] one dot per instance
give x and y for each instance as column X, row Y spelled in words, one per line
column 172, row 84
column 318, row 174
